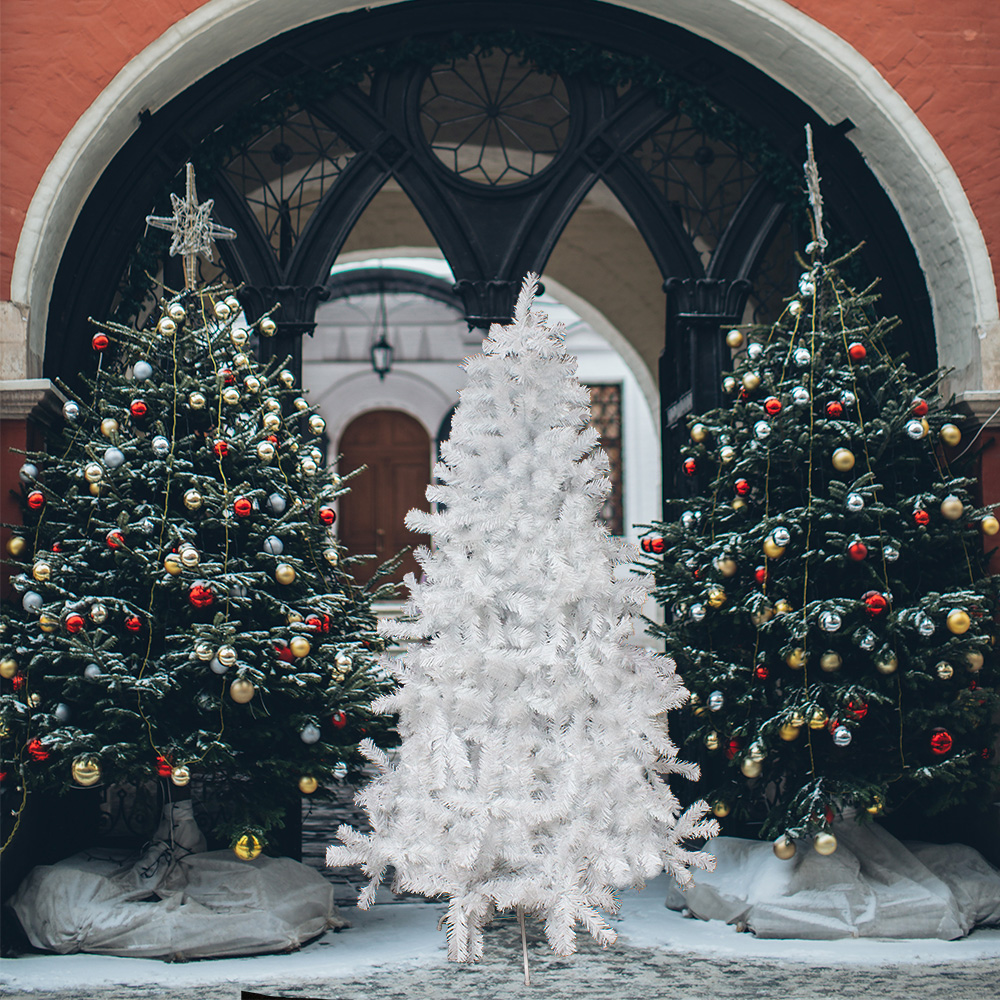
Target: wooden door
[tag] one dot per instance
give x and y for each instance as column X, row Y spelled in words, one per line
column 397, row 451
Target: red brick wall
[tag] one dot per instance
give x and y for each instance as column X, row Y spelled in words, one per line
column 57, row 56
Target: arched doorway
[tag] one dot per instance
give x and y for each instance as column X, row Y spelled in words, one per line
column 397, row 452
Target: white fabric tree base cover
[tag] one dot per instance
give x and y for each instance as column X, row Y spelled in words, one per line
column 177, row 902
column 872, row 886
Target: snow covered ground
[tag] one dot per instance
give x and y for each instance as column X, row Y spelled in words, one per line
column 395, row 950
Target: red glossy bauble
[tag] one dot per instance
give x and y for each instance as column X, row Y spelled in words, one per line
column 339, row 719
column 690, row 466
column 99, row 341
column 941, row 742
column 243, row 507
column 857, row 351
column 74, row 623
column 761, row 672
column 138, row 408
column 856, row 708
column 857, row 551
column 227, row 375
column 201, row 595
column 163, row 767
column 921, row 516
column 772, row 405
column 221, row 449
column 36, row 750
column 919, row 407
column 133, row 623
column 657, row 544
column 115, row 539
column 284, row 652
column 18, row 681
column 646, row 545
column 742, row 487
column 36, row 499
column 57, row 547
column 875, row 602
column 327, row 515
column 733, row 748
column 760, row 574
column 834, row 409
column 318, row 623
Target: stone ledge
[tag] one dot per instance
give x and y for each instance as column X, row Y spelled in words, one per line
column 36, row 399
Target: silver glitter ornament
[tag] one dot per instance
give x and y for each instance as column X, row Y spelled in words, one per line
column 715, row 701
column 762, row 430
column 781, row 536
column 142, row 370
column 92, row 671
column 842, row 736
column 865, row 638
column 28, row 472
column 71, row 410
column 754, row 352
column 914, row 429
column 276, row 503
column 160, row 445
column 800, row 395
column 698, row 612
column 801, row 357
column 62, row 712
column 848, row 399
column 830, row 621
column 925, row 626
column 273, row 545
column 216, row 666
column 890, row 553
column 113, row 458
column 309, row 733
column 855, row 502
column 31, row 601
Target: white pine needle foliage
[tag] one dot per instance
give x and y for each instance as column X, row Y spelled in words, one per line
column 533, row 734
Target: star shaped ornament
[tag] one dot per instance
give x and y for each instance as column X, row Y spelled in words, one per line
column 192, row 227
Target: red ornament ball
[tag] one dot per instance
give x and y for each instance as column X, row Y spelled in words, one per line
column 857, row 351
column 834, row 409
column 761, row 672
column 221, row 449
column 941, row 741
column 284, row 652
column 18, row 681
column 646, row 545
column 772, row 405
column 987, row 753
column 690, row 466
column 138, row 408
column 115, row 539
column 742, row 487
column 74, row 623
column 327, row 515
column 133, row 623
column 760, row 574
column 318, row 623
column 36, row 499
column 339, row 719
column 36, row 750
column 921, row 516
column 733, row 748
column 99, row 341
column 856, row 708
column 875, row 602
column 919, row 407
column 858, row 551
column 201, row 595
column 227, row 375
column 163, row 766
column 57, row 547
column 657, row 544
column 243, row 507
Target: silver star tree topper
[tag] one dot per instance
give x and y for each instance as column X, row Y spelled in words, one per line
column 192, row 227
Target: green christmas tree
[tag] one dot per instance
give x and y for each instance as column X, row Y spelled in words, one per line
column 825, row 590
column 182, row 607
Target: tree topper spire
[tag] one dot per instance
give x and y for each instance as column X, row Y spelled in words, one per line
column 819, row 242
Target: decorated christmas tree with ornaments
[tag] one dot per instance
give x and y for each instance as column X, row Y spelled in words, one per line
column 181, row 606
column 825, row 587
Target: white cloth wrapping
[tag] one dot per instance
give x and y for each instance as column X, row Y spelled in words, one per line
column 177, row 902
column 873, row 886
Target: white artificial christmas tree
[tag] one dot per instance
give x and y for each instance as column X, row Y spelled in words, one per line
column 534, row 741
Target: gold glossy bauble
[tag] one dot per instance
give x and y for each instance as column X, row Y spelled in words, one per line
column 247, row 847
column 729, row 385
column 952, row 508
column 252, row 384
column 300, row 403
column 784, row 848
column 763, row 616
column 221, row 310
column 843, row 459
column 331, row 556
column 797, row 719
column 203, row 651
column 308, row 784
column 726, row 566
column 716, row 597
column 172, row 564
column 95, row 489
column 876, row 807
column 721, row 809
column 166, row 326
column 830, row 661
column 751, row 381
column 309, row 467
column 734, row 339
column 824, row 843
column 193, row 499
column 231, row 396
column 772, row 549
column 712, row 741
column 317, row 424
column 299, row 646
column 974, row 661
column 241, row 361
column 176, row 312
column 8, row 667
column 293, row 617
column 990, row 525
column 887, row 664
column 109, row 427
column 271, row 422
column 286, row 378
column 93, row 473
column 788, row 732
column 818, row 719
column 267, row 326
column 782, row 607
column 41, row 571
column 950, row 434
column 233, row 303
column 265, row 451
column 751, row 768
column 226, row 656
column 739, row 503
column 238, row 338
column 944, row 670
column 284, row 573
column 190, row 556
column 86, row 770
column 958, row 621
column 698, row 433
column 180, row 776
column 16, row 545
column 48, row 623
column 197, row 401
column 241, row 691
column 726, row 454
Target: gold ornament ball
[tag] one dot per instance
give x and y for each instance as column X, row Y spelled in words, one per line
column 93, row 473
column 221, row 311
column 788, row 732
column 952, row 508
column 41, row 571
column 173, row 565
column 226, row 656
column 271, row 422
column 193, row 499
column 797, row 719
column 8, row 667
column 698, row 433
column 241, row 691
column 945, row 670
column 299, row 646
column 167, row 326
column 267, row 326
column 784, row 848
column 726, row 566
column 772, row 549
column 86, row 770
column 751, row 768
column 830, row 661
column 843, row 460
column 818, row 719
column 739, row 503
column 109, row 427
column 751, row 381
column 238, row 338
column 824, row 843
column 716, row 597
column 729, row 384
column 876, row 807
column 48, row 623
column 265, row 451
column 782, row 607
column 176, row 312
column 958, row 621
column 712, row 741
column 763, row 616
column 231, row 396
column 331, row 556
column 308, row 784
column 247, row 847
column 203, row 651
column 293, row 617
column 196, row 401
column 190, row 556
column 721, row 809
column 95, row 489
column 233, row 303
column 241, row 361
column 974, row 661
column 286, row 378
column 309, row 467
column 300, row 403
column 252, row 384
column 990, row 525
column 16, row 545
column 887, row 664
column 317, row 424
column 734, row 339
column 950, row 434
column 180, row 776
column 727, row 453
column 284, row 574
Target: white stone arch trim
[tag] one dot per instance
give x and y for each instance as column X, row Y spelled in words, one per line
column 798, row 52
